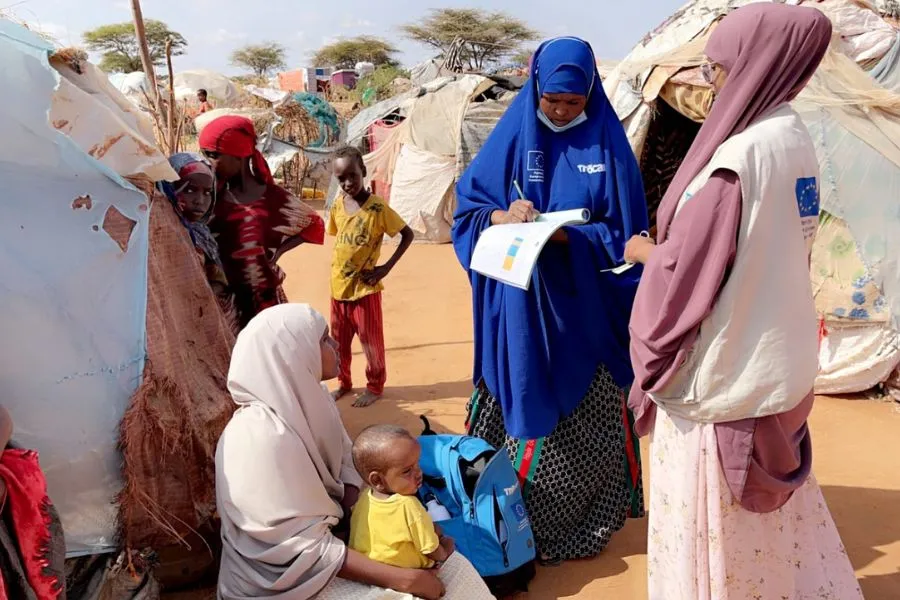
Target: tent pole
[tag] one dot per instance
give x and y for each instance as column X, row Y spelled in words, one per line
column 141, row 34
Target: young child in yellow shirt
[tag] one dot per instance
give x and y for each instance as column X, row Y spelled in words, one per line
column 360, row 220
column 389, row 524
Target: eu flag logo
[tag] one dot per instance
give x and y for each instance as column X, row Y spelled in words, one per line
column 808, row 197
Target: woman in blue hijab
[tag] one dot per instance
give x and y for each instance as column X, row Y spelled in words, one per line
column 551, row 363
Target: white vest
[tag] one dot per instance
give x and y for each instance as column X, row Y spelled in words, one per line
column 757, row 352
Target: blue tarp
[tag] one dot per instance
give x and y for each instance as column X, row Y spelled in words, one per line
column 74, row 302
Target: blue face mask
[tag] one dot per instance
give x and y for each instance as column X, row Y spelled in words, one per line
column 581, row 118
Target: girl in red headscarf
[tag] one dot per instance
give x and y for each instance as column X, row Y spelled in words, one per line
column 255, row 220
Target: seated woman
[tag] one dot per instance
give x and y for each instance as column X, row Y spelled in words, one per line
column 285, row 480
column 255, row 221
column 32, row 547
column 192, row 198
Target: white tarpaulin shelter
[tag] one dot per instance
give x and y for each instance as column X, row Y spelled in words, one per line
column 221, row 90
column 417, row 160
column 855, row 124
column 74, row 262
column 134, row 86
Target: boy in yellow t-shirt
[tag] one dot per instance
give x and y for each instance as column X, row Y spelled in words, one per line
column 388, row 523
column 360, row 221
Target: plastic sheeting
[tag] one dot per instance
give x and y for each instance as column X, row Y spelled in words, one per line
column 271, row 95
column 856, row 358
column 843, row 286
column 427, row 72
column 422, row 193
column 861, row 185
column 88, row 109
column 887, row 71
column 426, row 141
column 134, row 86
column 478, row 123
column 220, row 89
column 855, row 126
column 864, row 35
column 74, row 300
column 435, row 119
column 359, row 125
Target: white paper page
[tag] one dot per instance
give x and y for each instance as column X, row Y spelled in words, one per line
column 565, row 217
column 620, row 269
column 508, row 253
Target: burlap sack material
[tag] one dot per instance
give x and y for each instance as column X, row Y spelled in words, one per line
column 169, row 433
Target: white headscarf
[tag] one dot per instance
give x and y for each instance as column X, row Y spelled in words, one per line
column 281, row 463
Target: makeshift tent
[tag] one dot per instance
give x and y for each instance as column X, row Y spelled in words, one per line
column 661, row 99
column 117, row 373
column 478, row 123
column 134, row 86
column 415, row 161
column 222, row 91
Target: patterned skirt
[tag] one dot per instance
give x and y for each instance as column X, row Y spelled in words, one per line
column 704, row 546
column 583, row 480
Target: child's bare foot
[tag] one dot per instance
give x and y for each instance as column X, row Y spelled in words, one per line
column 365, row 399
column 340, row 393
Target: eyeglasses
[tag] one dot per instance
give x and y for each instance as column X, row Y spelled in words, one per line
column 708, row 71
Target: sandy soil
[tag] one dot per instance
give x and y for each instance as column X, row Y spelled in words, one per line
column 429, row 339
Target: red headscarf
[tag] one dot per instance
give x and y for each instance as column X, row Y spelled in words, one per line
column 235, row 136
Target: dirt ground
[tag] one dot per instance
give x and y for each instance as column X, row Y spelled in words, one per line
column 428, row 334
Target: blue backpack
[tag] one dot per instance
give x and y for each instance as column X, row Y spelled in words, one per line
column 479, row 488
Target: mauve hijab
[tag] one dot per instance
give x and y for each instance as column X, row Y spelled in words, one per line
column 770, row 52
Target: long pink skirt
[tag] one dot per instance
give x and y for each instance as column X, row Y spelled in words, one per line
column 704, row 546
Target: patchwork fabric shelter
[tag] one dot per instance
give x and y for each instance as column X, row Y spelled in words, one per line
column 413, row 157
column 115, row 365
column 661, row 98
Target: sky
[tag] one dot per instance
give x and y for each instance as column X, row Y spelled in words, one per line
column 214, row 28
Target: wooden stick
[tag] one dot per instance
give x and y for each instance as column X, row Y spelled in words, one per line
column 173, row 140
column 141, row 34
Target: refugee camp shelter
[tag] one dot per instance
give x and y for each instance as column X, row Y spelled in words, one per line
column 662, row 99
column 221, row 90
column 344, row 77
column 306, row 79
column 116, row 358
column 417, row 144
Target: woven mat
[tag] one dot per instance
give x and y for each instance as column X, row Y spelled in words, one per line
column 169, row 433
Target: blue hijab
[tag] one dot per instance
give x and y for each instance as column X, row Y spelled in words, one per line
column 538, row 350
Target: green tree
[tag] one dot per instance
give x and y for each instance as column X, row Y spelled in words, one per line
column 521, row 58
column 488, row 37
column 119, row 47
column 381, row 82
column 346, row 52
column 260, row 58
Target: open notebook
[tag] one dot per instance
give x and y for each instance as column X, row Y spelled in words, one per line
column 508, row 253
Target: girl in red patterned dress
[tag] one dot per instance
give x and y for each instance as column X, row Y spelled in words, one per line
column 255, row 220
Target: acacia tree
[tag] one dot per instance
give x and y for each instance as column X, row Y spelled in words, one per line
column 119, row 46
column 488, row 37
column 522, row 58
column 345, row 53
column 260, row 58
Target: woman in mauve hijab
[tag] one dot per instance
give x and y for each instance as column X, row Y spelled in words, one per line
column 724, row 334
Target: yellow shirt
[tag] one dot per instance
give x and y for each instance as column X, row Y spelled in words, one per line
column 358, row 245
column 396, row 531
